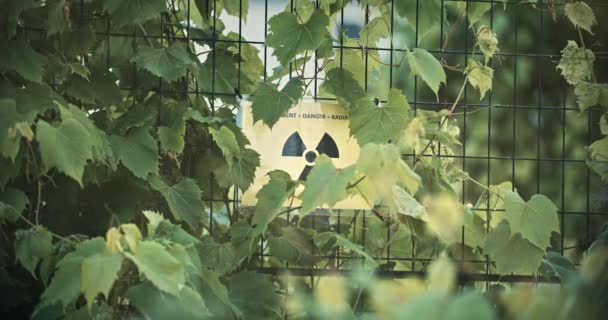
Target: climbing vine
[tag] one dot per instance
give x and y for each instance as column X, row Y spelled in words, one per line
column 120, row 159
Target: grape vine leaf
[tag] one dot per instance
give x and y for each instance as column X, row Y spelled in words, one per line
column 269, row 104
column 172, row 138
column 480, row 77
column 125, row 12
column 406, row 204
column 383, row 168
column 576, row 64
column 271, row 198
column 255, row 295
column 159, row 266
column 10, row 138
column 373, row 31
column 32, row 246
column 591, row 94
column 294, row 245
column 19, row 56
column 343, row 85
column 226, row 140
column 65, row 285
column 237, row 8
column 138, row 151
column 57, row 20
column 535, row 219
column 425, row 16
column 502, row 246
column 580, row 14
column 155, row 304
column 100, row 143
column 66, row 147
column 427, row 67
column 363, row 64
column 169, row 63
column 183, row 198
column 241, row 172
column 325, row 185
column 598, row 158
column 220, row 257
column 379, row 124
column 288, row 37
column 12, row 203
column 330, row 240
column 99, row 272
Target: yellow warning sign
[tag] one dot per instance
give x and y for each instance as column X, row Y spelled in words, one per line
column 296, row 140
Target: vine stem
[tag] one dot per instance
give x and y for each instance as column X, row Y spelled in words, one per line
column 34, row 225
column 444, row 120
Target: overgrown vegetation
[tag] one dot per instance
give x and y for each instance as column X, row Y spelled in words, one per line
column 118, row 140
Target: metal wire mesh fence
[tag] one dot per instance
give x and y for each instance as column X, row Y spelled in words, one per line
column 528, row 130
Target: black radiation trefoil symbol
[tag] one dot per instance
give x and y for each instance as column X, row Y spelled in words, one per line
column 295, row 147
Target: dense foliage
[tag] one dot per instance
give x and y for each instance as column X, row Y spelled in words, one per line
column 120, row 161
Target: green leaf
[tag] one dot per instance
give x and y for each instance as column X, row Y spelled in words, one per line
column 183, row 198
column 474, row 11
column 383, row 168
column 535, row 219
column 57, row 20
column 288, row 37
column 241, row 172
column 172, row 138
column 255, row 295
column 124, row 12
column 66, row 283
column 19, row 56
column 169, row 63
column 474, row 229
column 363, row 64
column 159, row 267
column 379, row 124
column 101, row 146
column 576, row 64
column 269, row 104
column 598, row 158
column 407, row 205
column 471, row 305
column 226, row 140
column 480, row 77
column 330, row 240
column 294, row 245
column 424, row 16
column 373, row 31
column 237, row 8
column 154, row 304
column 66, row 147
column 271, row 198
column 427, row 67
column 220, row 257
column 32, row 246
column 12, row 203
column 591, row 94
column 503, row 247
column 325, row 185
column 99, row 272
column 580, row 14
column 137, row 151
column 343, row 85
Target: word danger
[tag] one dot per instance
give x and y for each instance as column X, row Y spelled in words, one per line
column 315, row 116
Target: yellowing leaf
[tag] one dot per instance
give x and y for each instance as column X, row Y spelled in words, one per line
column 441, row 275
column 576, row 64
column 383, row 168
column 480, row 77
column 487, row 42
column 580, row 14
column 444, row 217
column 591, row 94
